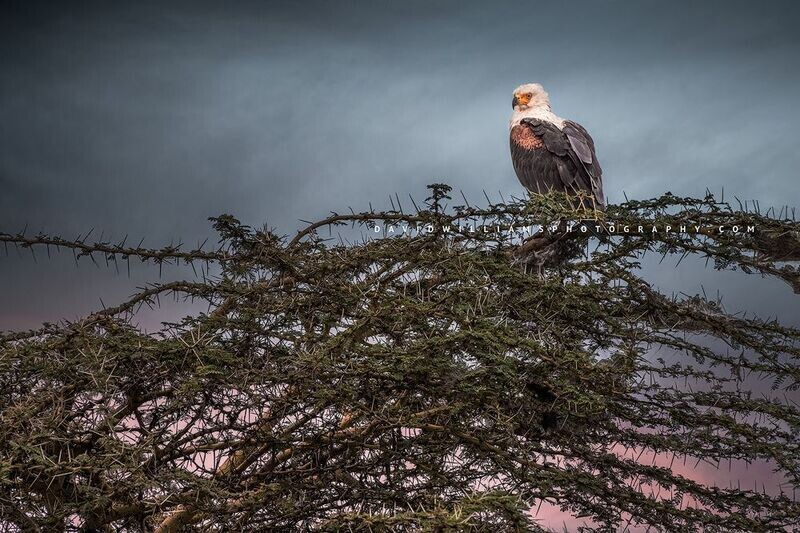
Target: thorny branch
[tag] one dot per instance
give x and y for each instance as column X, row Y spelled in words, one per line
column 445, row 379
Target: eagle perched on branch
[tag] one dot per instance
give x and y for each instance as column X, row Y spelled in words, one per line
column 550, row 153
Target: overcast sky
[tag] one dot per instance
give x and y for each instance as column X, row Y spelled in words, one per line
column 145, row 118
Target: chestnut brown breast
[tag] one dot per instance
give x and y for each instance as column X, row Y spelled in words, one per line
column 525, row 138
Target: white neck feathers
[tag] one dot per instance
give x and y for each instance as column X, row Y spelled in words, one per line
column 541, row 112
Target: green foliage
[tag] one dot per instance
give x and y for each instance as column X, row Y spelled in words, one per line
column 422, row 381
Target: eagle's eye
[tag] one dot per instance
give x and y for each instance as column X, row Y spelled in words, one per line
column 529, row 95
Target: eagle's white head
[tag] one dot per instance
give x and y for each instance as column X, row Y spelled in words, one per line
column 532, row 101
column 530, row 95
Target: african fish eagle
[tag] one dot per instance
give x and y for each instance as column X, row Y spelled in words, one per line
column 550, row 153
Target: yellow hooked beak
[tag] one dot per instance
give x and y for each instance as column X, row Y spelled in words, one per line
column 521, row 99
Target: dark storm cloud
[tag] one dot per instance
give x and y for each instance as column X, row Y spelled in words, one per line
column 144, row 118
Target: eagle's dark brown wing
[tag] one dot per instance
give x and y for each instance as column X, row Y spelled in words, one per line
column 582, row 146
column 548, row 158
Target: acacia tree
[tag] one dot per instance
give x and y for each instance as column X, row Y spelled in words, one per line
column 437, row 380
